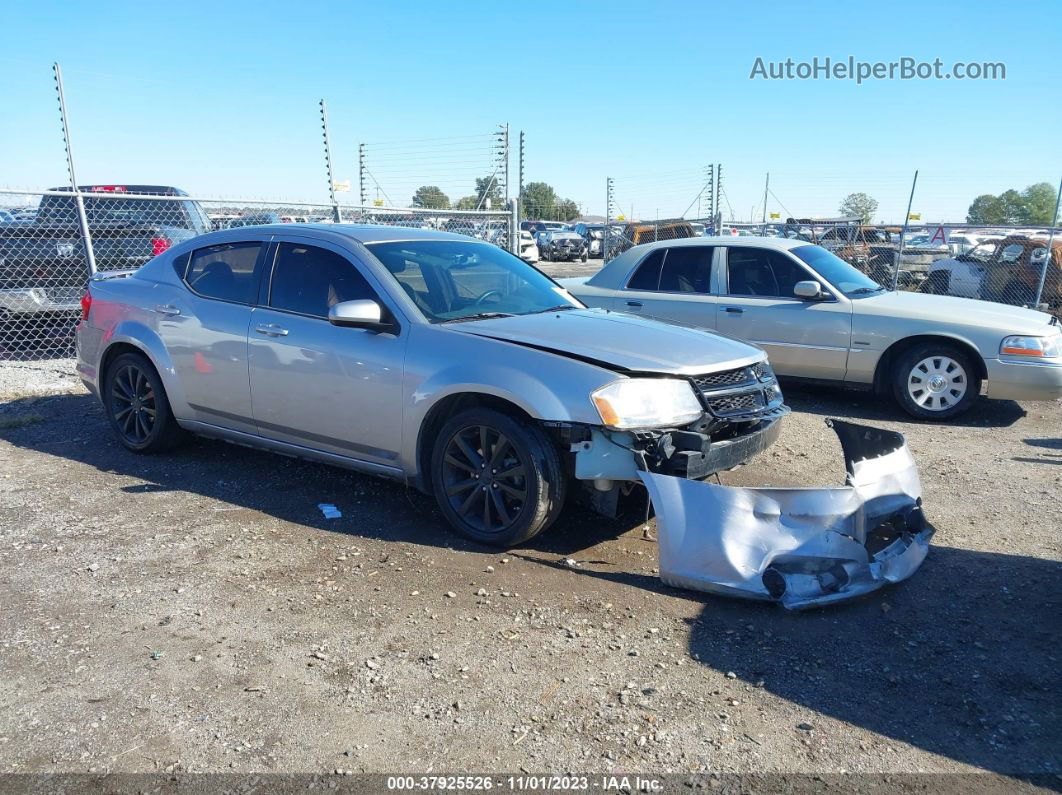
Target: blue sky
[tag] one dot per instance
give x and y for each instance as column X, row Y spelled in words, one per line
column 221, row 98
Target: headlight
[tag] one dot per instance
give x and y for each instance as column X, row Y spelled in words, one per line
column 1034, row 347
column 646, row 403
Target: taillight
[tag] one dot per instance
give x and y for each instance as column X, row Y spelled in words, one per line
column 158, row 245
column 86, row 305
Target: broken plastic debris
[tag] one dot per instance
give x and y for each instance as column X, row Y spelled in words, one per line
column 329, row 510
column 800, row 547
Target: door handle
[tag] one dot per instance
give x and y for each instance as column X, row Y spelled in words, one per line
column 271, row 330
column 167, row 309
column 735, row 310
column 637, row 304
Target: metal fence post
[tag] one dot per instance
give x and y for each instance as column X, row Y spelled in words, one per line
column 328, row 162
column 903, row 234
column 514, row 226
column 79, row 201
column 1050, row 253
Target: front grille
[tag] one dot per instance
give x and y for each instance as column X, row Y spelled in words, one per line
column 749, row 392
column 737, row 404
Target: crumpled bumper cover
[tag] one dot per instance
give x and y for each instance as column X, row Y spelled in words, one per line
column 801, row 547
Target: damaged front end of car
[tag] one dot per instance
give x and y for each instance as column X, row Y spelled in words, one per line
column 800, row 547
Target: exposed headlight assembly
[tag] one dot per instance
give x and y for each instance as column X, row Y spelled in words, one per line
column 646, row 403
column 1032, row 347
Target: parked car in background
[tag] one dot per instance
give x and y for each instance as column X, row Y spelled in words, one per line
column 821, row 319
column 561, row 246
column 43, row 268
column 294, row 219
column 1014, row 270
column 528, row 247
column 6, row 217
column 594, row 235
column 435, row 359
column 254, row 219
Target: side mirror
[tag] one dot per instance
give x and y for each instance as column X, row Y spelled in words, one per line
column 810, row 290
column 363, row 313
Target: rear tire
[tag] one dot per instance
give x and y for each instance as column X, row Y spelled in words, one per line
column 137, row 407
column 497, row 480
column 935, row 381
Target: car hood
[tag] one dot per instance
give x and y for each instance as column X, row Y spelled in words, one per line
column 965, row 311
column 618, row 341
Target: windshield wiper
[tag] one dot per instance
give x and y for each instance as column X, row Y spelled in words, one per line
column 477, row 316
column 865, row 290
column 558, row 308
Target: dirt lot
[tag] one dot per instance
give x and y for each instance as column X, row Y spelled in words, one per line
column 196, row 612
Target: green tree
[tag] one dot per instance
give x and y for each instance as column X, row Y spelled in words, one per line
column 431, row 196
column 466, row 203
column 985, row 209
column 540, row 201
column 1012, row 207
column 567, row 210
column 1038, row 204
column 488, row 188
column 859, row 205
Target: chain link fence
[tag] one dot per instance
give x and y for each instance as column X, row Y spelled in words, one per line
column 52, row 242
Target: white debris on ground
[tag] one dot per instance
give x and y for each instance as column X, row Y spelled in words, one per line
column 44, row 377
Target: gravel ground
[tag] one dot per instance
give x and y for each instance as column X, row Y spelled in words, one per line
column 44, row 377
column 196, row 612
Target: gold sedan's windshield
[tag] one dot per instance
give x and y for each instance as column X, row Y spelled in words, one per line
column 454, row 280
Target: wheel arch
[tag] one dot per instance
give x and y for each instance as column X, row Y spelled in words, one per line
column 883, row 369
column 445, row 408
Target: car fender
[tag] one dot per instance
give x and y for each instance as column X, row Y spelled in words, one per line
column 147, row 341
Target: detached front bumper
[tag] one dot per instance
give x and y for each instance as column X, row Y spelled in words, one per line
column 800, row 547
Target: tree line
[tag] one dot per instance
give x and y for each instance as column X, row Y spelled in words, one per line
column 539, row 201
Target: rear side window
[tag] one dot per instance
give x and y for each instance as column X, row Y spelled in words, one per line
column 686, row 270
column 647, row 277
column 225, row 272
column 311, row 280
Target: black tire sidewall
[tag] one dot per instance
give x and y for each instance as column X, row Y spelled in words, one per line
column 163, row 432
column 906, row 362
column 545, row 484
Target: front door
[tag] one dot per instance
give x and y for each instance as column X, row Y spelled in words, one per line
column 317, row 385
column 807, row 339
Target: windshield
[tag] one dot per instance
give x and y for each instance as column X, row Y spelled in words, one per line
column 455, row 280
column 836, row 271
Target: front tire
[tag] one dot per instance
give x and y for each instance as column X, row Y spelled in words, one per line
column 935, row 381
column 497, row 480
column 136, row 405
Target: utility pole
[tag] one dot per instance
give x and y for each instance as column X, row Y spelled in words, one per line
column 79, row 202
column 766, row 189
column 520, row 171
column 328, row 162
column 719, row 194
column 361, row 173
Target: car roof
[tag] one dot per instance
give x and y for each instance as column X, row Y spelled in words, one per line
column 362, row 233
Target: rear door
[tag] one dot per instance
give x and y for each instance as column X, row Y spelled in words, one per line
column 204, row 328
column 672, row 284
column 314, row 384
column 808, row 339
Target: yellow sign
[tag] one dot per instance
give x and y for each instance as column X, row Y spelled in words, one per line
column 341, row 187
column 914, row 217
column 377, row 203
column 775, row 215
column 621, row 218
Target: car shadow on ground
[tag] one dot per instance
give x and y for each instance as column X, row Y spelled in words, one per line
column 74, row 427
column 959, row 660
column 858, row 405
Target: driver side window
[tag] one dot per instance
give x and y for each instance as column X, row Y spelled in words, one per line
column 309, row 280
column 760, row 272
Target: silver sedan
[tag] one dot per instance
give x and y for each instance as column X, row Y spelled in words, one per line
column 424, row 356
column 821, row 320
